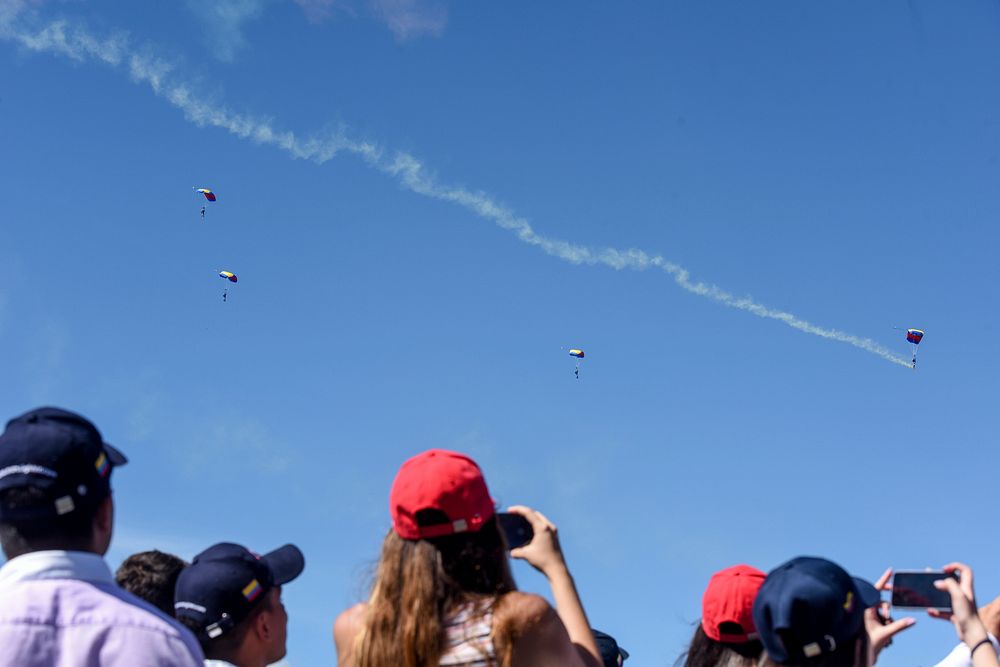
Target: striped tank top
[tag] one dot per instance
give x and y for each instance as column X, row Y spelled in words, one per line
column 467, row 639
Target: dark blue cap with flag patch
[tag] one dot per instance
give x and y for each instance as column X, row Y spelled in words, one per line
column 60, row 453
column 226, row 581
column 612, row 655
column 808, row 607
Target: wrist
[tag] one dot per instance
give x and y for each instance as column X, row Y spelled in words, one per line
column 974, row 634
column 556, row 570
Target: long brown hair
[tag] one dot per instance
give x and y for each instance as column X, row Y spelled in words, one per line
column 418, row 583
column 706, row 652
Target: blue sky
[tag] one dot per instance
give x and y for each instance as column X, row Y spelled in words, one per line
column 418, row 198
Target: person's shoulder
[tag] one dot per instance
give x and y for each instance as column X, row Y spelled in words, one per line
column 140, row 615
column 524, row 609
column 102, row 614
column 346, row 628
column 349, row 622
column 532, row 631
column 141, row 610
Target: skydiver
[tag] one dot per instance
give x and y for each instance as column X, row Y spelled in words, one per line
column 202, row 212
column 225, row 293
column 577, row 372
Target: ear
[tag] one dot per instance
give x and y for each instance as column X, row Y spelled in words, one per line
column 262, row 625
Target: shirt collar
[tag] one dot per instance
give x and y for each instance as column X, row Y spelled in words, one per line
column 80, row 565
column 218, row 663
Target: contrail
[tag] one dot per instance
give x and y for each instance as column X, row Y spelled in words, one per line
column 77, row 43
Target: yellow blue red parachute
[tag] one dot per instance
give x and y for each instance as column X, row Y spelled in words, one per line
column 578, row 353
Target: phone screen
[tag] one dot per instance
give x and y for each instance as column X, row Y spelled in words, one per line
column 916, row 589
column 516, row 528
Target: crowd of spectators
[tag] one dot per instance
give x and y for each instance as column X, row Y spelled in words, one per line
column 442, row 593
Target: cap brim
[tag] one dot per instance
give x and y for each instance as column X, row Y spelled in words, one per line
column 869, row 595
column 286, row 563
column 115, row 456
column 623, row 653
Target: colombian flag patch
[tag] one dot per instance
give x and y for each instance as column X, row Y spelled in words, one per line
column 252, row 590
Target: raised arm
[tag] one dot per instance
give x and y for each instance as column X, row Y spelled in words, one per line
column 965, row 617
column 546, row 556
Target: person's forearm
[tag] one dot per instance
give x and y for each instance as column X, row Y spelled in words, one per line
column 985, row 656
column 570, row 610
column 974, row 634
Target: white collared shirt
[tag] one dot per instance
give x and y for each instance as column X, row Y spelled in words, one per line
column 63, row 607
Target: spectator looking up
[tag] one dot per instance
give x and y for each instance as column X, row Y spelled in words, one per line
column 60, row 604
column 231, row 599
column 809, row 612
column 152, row 576
column 726, row 635
column 443, row 593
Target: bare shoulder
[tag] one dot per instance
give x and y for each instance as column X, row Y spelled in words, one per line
column 532, row 632
column 349, row 621
column 523, row 610
column 346, row 628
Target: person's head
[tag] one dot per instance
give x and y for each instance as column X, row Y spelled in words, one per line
column 810, row 613
column 440, row 499
column 152, row 576
column 726, row 635
column 612, row 655
column 55, row 484
column 445, row 549
column 230, row 598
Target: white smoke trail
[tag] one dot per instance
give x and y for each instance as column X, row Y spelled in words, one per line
column 76, row 43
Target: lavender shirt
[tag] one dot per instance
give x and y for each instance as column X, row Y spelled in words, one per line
column 63, row 609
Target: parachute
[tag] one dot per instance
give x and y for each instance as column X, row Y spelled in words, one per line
column 231, row 277
column 579, row 355
column 209, row 195
column 914, row 336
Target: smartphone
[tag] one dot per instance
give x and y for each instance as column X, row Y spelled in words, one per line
column 516, row 528
column 916, row 590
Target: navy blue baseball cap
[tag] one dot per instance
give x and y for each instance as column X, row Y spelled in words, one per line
column 62, row 454
column 612, row 655
column 224, row 583
column 810, row 606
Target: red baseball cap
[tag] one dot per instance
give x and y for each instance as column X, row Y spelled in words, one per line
column 448, row 482
column 727, row 606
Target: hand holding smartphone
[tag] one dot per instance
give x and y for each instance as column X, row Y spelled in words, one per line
column 916, row 590
column 516, row 529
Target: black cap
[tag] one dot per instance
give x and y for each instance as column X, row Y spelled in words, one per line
column 226, row 581
column 810, row 606
column 59, row 452
column 612, row 655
